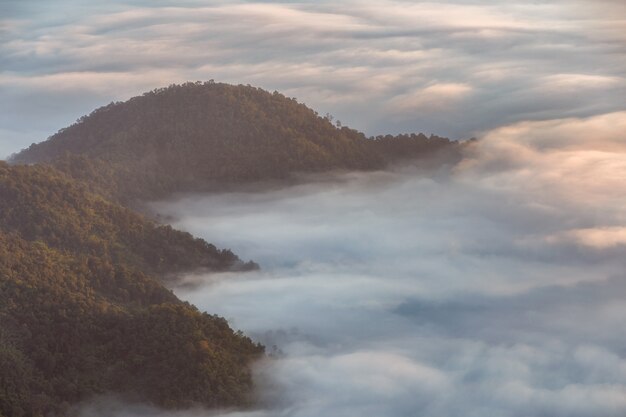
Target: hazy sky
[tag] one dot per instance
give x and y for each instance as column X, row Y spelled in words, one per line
column 496, row 289
column 454, row 67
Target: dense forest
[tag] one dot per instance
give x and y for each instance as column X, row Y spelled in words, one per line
column 82, row 310
column 42, row 204
column 199, row 136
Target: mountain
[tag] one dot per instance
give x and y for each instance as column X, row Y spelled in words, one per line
column 83, row 311
column 42, row 204
column 202, row 136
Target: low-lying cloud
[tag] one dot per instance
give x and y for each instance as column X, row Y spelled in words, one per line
column 495, row 288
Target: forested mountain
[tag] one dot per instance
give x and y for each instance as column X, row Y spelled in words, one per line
column 42, row 204
column 82, row 310
column 82, row 307
column 197, row 136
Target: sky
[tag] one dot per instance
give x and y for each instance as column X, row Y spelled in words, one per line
column 457, row 68
column 495, row 287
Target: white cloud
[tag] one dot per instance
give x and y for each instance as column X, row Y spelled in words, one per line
column 599, row 238
column 433, row 98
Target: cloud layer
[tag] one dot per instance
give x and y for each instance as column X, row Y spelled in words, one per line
column 495, row 288
column 454, row 68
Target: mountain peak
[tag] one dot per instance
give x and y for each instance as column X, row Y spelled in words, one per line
column 192, row 136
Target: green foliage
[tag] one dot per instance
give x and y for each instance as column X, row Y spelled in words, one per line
column 40, row 203
column 409, row 146
column 196, row 137
column 81, row 312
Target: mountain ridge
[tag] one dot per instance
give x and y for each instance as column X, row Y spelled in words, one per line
column 83, row 308
column 185, row 138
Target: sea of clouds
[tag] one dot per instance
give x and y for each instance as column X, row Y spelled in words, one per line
column 492, row 288
column 495, row 287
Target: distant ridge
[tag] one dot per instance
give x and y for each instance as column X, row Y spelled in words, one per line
column 194, row 136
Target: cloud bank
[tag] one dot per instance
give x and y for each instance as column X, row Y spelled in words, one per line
column 494, row 288
column 454, row 67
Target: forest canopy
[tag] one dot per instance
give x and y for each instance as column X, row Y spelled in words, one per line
column 83, row 310
column 201, row 136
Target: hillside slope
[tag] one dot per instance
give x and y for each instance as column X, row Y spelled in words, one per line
column 197, row 136
column 40, row 203
column 82, row 311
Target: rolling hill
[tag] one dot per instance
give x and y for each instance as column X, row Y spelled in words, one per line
column 201, row 136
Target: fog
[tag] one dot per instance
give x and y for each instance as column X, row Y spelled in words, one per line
column 492, row 288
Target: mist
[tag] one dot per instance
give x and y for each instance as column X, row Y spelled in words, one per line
column 491, row 288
